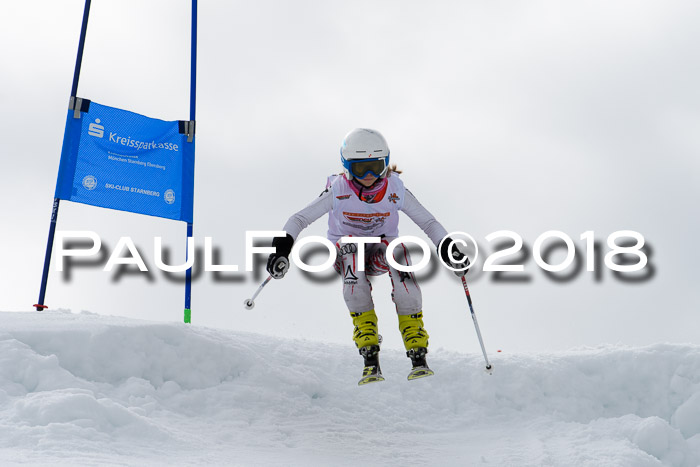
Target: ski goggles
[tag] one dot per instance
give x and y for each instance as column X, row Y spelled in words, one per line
column 361, row 168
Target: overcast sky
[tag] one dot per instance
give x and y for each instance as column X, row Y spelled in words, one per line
column 524, row 116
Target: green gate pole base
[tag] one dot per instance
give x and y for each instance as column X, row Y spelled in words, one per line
column 188, row 315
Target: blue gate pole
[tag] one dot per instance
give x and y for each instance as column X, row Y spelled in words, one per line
column 188, row 281
column 193, row 67
column 56, row 201
column 193, row 100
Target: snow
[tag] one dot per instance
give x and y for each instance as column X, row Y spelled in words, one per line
column 85, row 389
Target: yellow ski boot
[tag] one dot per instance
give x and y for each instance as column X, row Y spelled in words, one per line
column 415, row 339
column 367, row 341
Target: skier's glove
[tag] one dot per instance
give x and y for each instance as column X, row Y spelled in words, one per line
column 454, row 257
column 278, row 262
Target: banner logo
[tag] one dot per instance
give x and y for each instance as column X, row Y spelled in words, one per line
column 90, row 182
column 96, row 130
column 169, row 196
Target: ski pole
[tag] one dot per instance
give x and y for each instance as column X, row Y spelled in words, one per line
column 249, row 303
column 476, row 324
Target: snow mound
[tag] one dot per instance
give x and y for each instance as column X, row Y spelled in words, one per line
column 87, row 389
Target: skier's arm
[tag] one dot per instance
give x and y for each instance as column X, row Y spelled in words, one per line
column 277, row 262
column 436, row 232
column 422, row 217
column 302, row 219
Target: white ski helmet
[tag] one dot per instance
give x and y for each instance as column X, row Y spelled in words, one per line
column 364, row 151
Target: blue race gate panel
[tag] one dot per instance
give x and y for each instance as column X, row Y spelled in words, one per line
column 121, row 160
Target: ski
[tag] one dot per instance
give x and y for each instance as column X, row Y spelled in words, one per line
column 420, row 372
column 420, row 366
column 371, row 374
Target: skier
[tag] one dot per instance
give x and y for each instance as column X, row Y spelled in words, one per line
column 364, row 201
